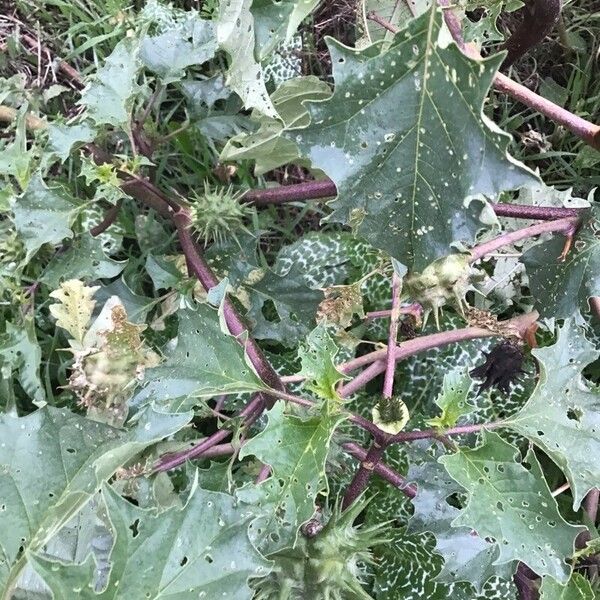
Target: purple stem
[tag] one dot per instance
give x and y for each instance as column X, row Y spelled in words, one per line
column 250, row 413
column 264, row 472
column 361, row 479
column 390, row 360
column 383, row 470
column 198, row 267
column 411, row 436
column 110, row 216
column 591, row 504
column 595, row 305
column 414, row 309
column 567, row 226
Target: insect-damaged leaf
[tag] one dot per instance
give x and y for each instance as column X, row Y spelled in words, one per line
column 562, row 416
column 512, row 505
column 562, row 288
column 52, row 463
column 404, row 139
column 200, row 550
column 205, row 361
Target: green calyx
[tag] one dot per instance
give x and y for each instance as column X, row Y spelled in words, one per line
column 444, row 281
column 218, row 213
column 328, row 566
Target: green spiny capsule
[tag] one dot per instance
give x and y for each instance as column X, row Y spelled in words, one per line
column 217, row 213
column 391, row 415
column 328, row 566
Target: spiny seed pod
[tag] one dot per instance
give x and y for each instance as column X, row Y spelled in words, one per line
column 444, row 281
column 391, row 415
column 329, row 566
column 217, row 213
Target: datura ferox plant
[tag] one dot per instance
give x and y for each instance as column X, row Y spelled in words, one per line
column 286, row 313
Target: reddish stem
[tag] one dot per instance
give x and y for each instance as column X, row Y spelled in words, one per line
column 595, row 305
column 200, row 269
column 566, row 226
column 175, row 459
column 361, row 479
column 383, row 470
column 110, row 216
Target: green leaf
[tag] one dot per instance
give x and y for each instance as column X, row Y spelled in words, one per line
column 276, row 21
column 294, row 303
column 512, row 505
column 110, row 93
column 578, row 588
column 235, row 34
column 562, row 289
column 15, row 158
column 453, row 399
column 267, row 146
column 562, row 416
column 85, row 259
column 52, row 463
column 318, row 366
column 163, row 272
column 403, row 176
column 467, row 557
column 20, row 351
column 62, row 138
column 205, row 362
column 168, row 54
column 43, row 215
column 201, row 550
column 406, row 569
column 296, row 450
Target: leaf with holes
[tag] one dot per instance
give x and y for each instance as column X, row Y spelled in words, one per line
column 512, row 505
column 84, row 259
column 43, row 215
column 287, row 499
column 562, row 289
column 453, row 399
column 168, row 54
column 562, row 416
column 201, row 549
column 404, row 175
column 578, row 588
column 318, row 366
column 204, row 362
column 235, row 34
column 109, row 94
column 467, row 556
column 53, row 462
column 276, row 21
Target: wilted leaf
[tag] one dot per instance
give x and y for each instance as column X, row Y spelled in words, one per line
column 235, row 34
column 74, row 308
column 266, row 145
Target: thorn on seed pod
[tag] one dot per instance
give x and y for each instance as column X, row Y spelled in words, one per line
column 502, row 366
column 444, row 281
